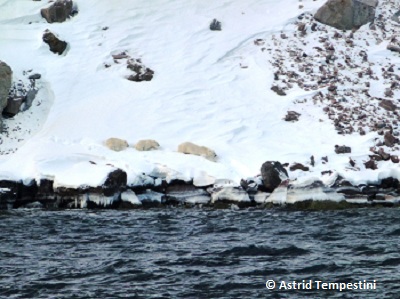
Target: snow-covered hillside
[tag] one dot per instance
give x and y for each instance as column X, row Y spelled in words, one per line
column 212, row 88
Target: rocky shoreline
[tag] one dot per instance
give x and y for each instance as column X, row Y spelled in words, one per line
column 150, row 191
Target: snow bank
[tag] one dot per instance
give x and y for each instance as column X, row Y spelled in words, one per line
column 210, row 88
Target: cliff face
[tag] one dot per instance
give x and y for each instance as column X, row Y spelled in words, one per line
column 5, row 85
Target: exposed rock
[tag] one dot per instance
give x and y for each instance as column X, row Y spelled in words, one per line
column 194, row 149
column 13, row 106
column 371, row 165
column 30, row 96
column 35, row 77
column 139, row 77
column 5, row 85
column 349, row 190
column 116, row 144
column 346, row 14
column 298, row 166
column 121, row 55
column 292, row 116
column 342, row 149
column 115, row 182
column 250, row 185
column 394, row 159
column 56, row 45
column 389, row 139
column 388, row 105
column 273, row 174
column 147, row 145
column 279, row 91
column 215, row 25
column 385, row 156
column 389, row 182
column 396, row 17
column 394, row 48
column 142, row 73
column 58, row 12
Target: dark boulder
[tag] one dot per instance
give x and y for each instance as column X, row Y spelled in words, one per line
column 142, row 73
column 13, row 106
column 346, row 14
column 389, row 182
column 115, row 182
column 371, row 165
column 215, row 25
column 298, row 166
column 35, row 77
column 59, row 11
column 342, row 149
column 279, row 91
column 56, row 45
column 389, row 139
column 5, row 85
column 292, row 116
column 387, row 105
column 273, row 174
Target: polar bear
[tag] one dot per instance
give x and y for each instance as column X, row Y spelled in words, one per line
column 146, row 145
column 116, row 144
column 194, row 149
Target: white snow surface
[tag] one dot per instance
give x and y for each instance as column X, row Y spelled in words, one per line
column 211, row 88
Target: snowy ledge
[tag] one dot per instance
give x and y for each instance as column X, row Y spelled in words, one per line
column 149, row 191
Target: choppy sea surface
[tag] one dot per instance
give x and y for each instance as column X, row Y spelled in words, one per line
column 197, row 253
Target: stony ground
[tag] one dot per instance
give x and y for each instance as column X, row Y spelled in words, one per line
column 359, row 95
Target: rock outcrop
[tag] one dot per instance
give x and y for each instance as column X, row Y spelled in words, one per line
column 135, row 65
column 5, row 85
column 56, row 45
column 347, row 14
column 273, row 174
column 114, row 193
column 141, row 72
column 58, row 12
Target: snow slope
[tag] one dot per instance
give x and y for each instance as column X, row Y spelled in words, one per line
column 210, row 88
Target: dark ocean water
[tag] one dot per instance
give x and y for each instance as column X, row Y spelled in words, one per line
column 197, row 253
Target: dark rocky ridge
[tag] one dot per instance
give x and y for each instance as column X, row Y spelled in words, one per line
column 160, row 193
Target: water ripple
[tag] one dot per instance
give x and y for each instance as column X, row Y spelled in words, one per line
column 195, row 253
